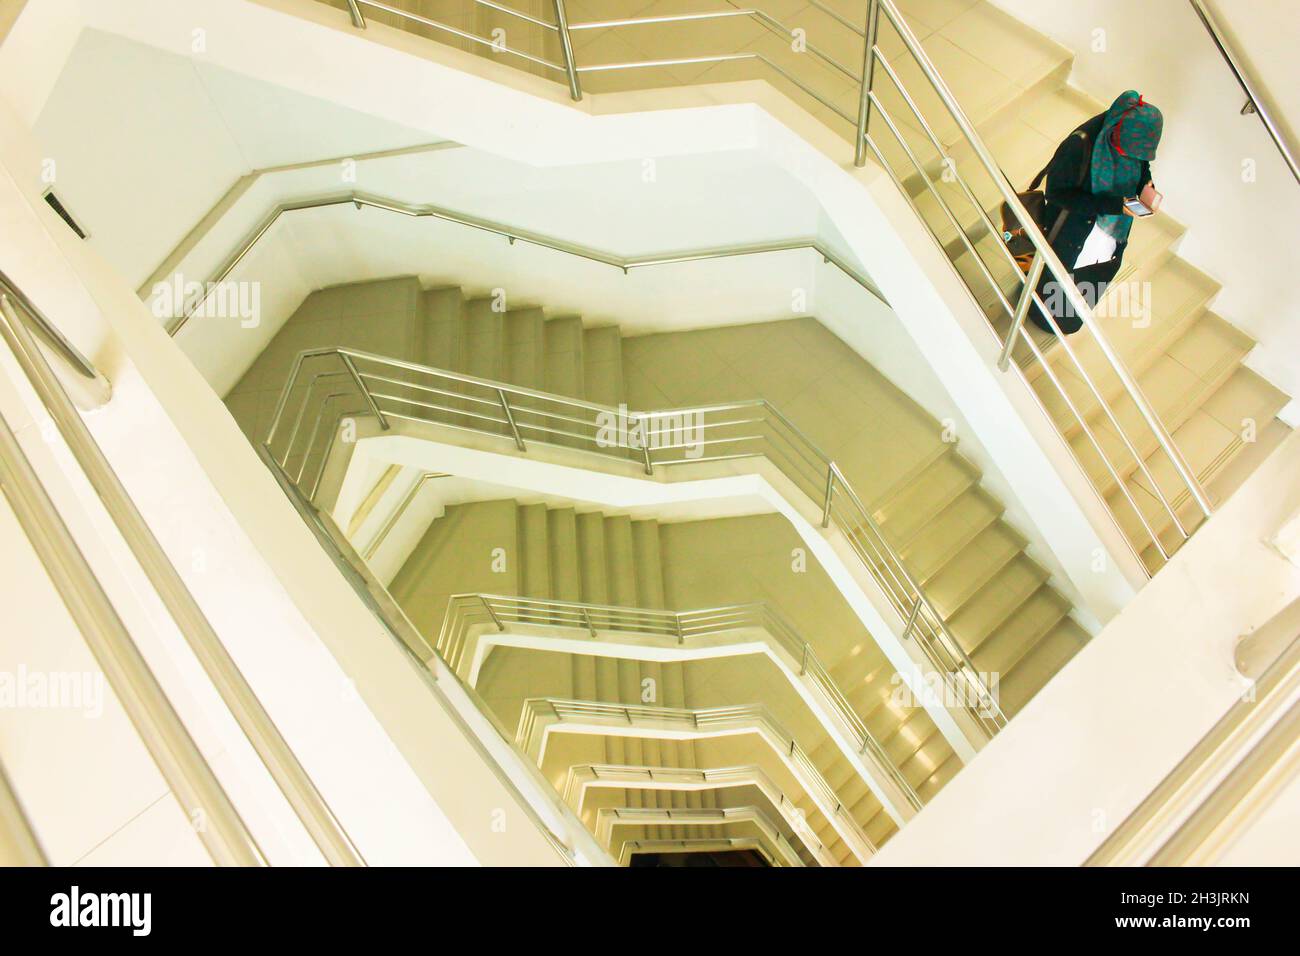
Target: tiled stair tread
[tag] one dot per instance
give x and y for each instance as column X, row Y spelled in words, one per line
column 442, row 331
column 1034, row 670
column 621, row 561
column 1180, row 394
column 484, row 338
column 1175, row 295
column 949, row 531
column 977, row 564
column 1225, row 481
column 851, row 789
column 939, row 778
column 525, row 348
column 649, row 561
column 1206, row 411
column 1208, row 444
column 535, row 569
column 564, row 368
column 914, row 503
column 1218, row 426
column 603, row 364
column 1022, row 630
column 985, row 612
column 1205, row 346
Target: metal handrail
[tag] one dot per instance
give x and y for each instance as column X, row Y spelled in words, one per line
column 513, row 235
column 359, row 21
column 754, row 428
column 392, row 520
column 186, row 771
column 1050, row 261
column 294, row 782
column 13, row 300
column 16, row 828
column 678, row 627
column 869, row 104
column 1255, row 100
column 539, row 712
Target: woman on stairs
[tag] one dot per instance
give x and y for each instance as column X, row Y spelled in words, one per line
column 1102, row 165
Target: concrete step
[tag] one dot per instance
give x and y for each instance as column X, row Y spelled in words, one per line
column 484, row 336
column 444, row 342
column 525, row 348
column 564, row 373
column 602, row 357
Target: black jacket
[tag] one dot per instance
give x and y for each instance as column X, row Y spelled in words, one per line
column 1069, row 190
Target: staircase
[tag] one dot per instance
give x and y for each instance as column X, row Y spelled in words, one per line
column 927, row 498
column 592, row 558
column 1011, row 83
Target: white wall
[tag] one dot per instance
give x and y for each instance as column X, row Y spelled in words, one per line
column 1244, row 234
column 145, row 141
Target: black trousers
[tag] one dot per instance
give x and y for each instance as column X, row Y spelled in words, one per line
column 1091, row 280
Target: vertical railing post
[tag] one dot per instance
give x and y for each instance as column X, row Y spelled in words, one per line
column 370, row 399
column 645, row 448
column 354, row 10
column 487, row 605
column 566, row 45
column 868, row 68
column 510, row 420
column 586, row 619
column 911, row 618
column 1022, row 309
column 830, row 492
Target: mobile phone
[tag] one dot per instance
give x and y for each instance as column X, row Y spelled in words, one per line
column 1138, row 208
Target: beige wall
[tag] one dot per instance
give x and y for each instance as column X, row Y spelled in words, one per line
column 382, row 317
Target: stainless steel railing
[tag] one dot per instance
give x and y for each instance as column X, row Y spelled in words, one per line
column 1168, row 526
column 326, row 386
column 1256, row 102
column 512, row 234
column 94, row 389
column 469, row 613
column 281, row 763
column 540, row 714
column 196, row 788
column 1016, row 305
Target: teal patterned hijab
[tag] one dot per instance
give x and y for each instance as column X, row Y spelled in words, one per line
column 1129, row 136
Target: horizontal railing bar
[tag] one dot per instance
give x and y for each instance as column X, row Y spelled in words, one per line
column 261, row 731
column 625, row 263
column 13, row 298
column 498, row 47
column 1053, row 262
column 803, row 462
column 754, row 14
